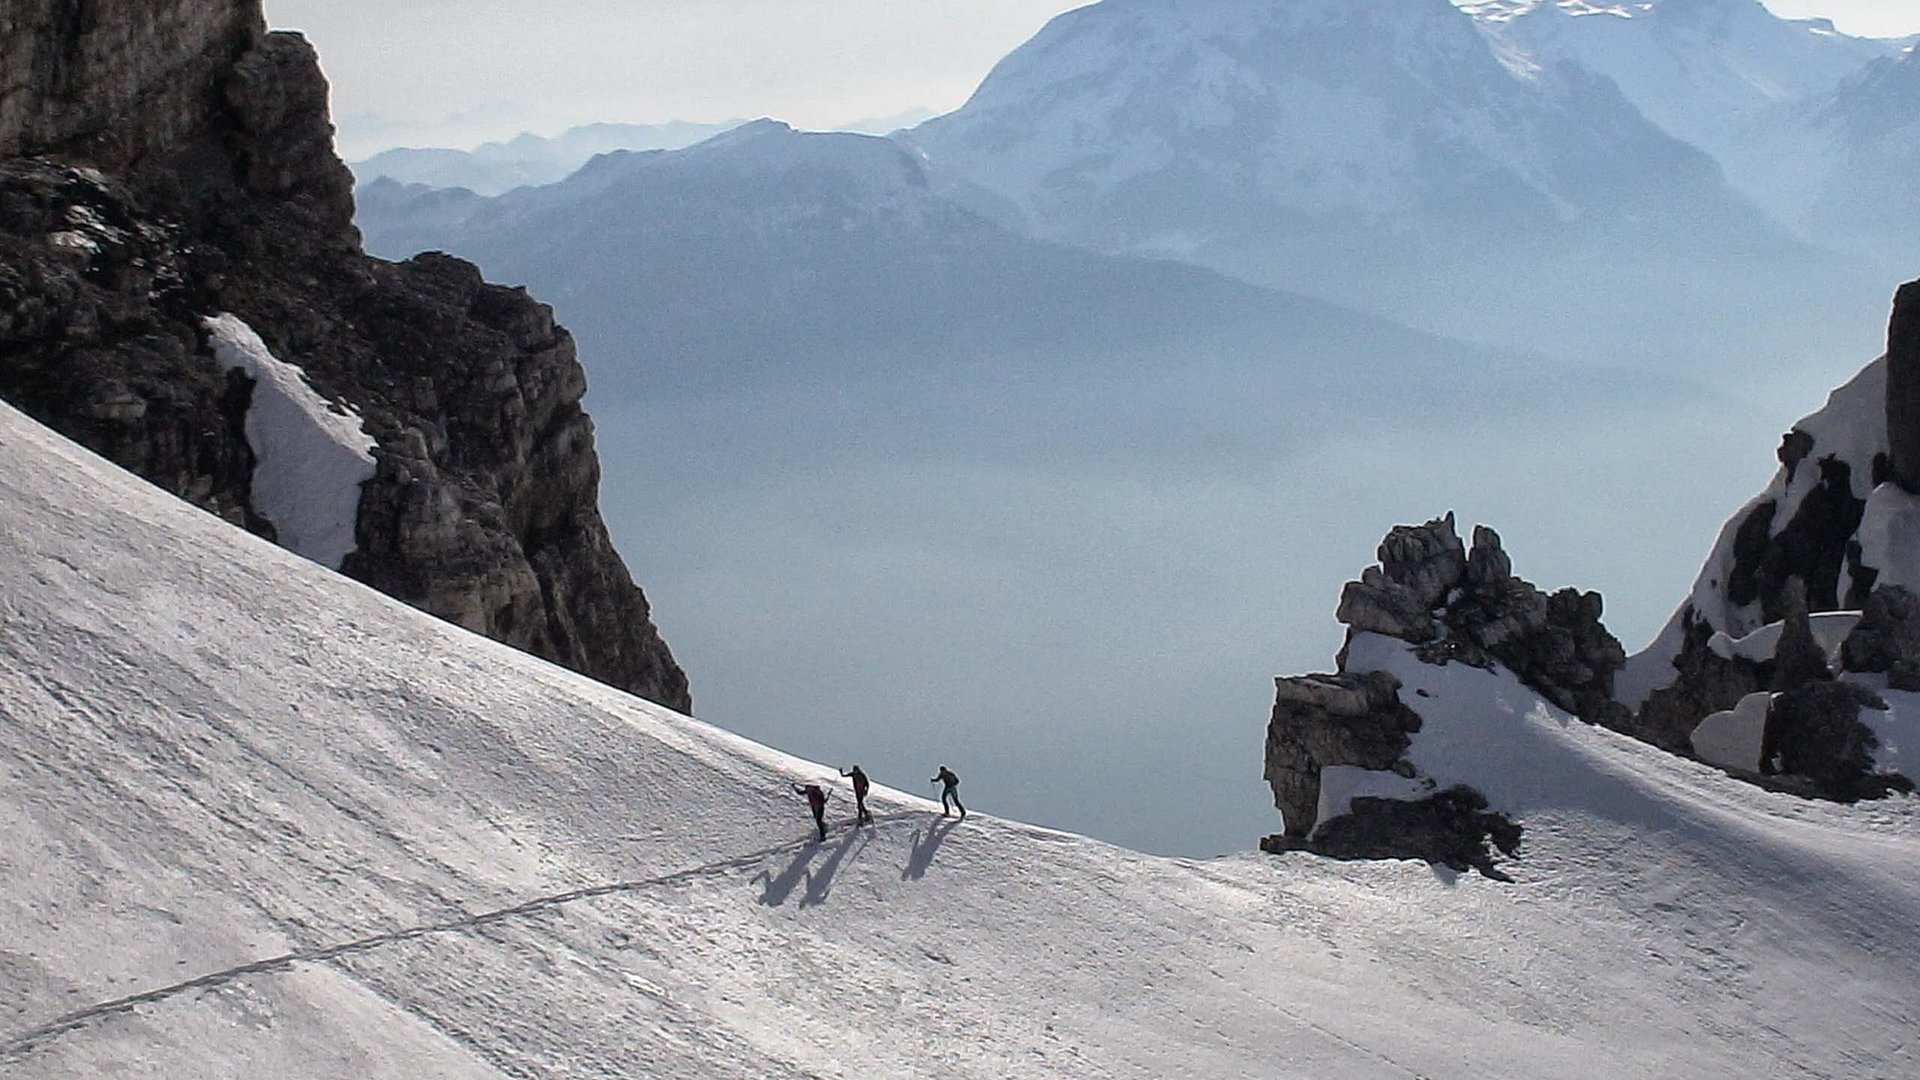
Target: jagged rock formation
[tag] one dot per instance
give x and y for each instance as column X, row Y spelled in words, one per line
column 1773, row 609
column 165, row 164
column 1468, row 606
column 1458, row 605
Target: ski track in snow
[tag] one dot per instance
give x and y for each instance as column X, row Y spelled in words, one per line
column 27, row 1041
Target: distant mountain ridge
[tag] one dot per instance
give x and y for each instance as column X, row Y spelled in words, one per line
column 526, row 159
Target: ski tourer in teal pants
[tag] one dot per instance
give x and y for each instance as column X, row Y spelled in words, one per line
column 949, row 792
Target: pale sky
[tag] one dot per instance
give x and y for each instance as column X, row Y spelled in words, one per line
column 458, row 72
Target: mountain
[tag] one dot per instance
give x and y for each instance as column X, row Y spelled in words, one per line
column 259, row 816
column 1706, row 71
column 773, row 254
column 1794, row 664
column 1841, row 165
column 911, row 478
column 1826, row 554
column 1386, row 154
column 1804, row 119
column 526, row 159
column 183, row 290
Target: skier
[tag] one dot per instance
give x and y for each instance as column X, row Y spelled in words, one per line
column 860, row 786
column 817, row 802
column 949, row 793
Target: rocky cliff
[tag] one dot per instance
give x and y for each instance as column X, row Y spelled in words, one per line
column 166, row 165
column 1456, row 606
column 1794, row 664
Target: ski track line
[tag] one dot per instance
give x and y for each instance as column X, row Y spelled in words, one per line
column 19, row 1046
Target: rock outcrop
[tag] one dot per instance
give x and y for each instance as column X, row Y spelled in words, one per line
column 1458, row 605
column 163, row 163
column 1824, row 539
column 1467, row 605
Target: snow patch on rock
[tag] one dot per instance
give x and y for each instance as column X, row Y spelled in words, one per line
column 312, row 456
column 1890, row 536
column 1830, row 629
column 1732, row 738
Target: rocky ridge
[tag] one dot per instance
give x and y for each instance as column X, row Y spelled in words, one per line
column 1458, row 605
column 160, row 167
column 1784, row 667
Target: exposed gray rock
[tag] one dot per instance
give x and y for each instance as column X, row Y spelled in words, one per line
column 1814, row 733
column 1467, row 606
column 1380, row 605
column 1452, row 827
column 1457, row 606
column 1887, row 638
column 195, row 175
column 1322, row 720
column 1706, row 683
column 1425, row 559
column 1798, row 658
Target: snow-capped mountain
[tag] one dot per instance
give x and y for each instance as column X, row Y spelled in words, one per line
column 262, row 820
column 1122, row 121
column 1832, row 544
column 1388, row 154
column 1706, row 71
column 779, row 251
column 1841, row 167
column 1806, row 120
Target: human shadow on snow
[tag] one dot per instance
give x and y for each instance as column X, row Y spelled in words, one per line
column 922, row 855
column 818, row 882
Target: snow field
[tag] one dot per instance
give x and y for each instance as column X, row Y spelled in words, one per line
column 258, row 820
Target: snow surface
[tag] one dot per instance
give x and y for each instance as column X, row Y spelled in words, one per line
column 310, row 457
column 1897, row 728
column 1830, row 630
column 1890, row 536
column 258, row 820
column 1733, row 738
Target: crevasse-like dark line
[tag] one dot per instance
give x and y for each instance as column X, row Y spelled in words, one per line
column 27, row 1041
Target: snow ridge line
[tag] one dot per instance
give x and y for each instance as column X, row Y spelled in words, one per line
column 26, row 1042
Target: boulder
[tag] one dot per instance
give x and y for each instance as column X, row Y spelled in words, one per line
column 1323, row 720
column 1887, row 638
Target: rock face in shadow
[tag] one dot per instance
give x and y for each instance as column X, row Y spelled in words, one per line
column 165, row 164
column 1323, row 720
column 1903, row 387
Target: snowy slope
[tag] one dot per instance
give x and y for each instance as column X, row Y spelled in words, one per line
column 1704, row 70
column 259, row 820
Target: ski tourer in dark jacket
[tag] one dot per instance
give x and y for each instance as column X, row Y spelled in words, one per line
column 817, row 802
column 860, row 786
column 949, row 792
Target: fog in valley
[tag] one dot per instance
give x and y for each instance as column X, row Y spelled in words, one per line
column 924, row 454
